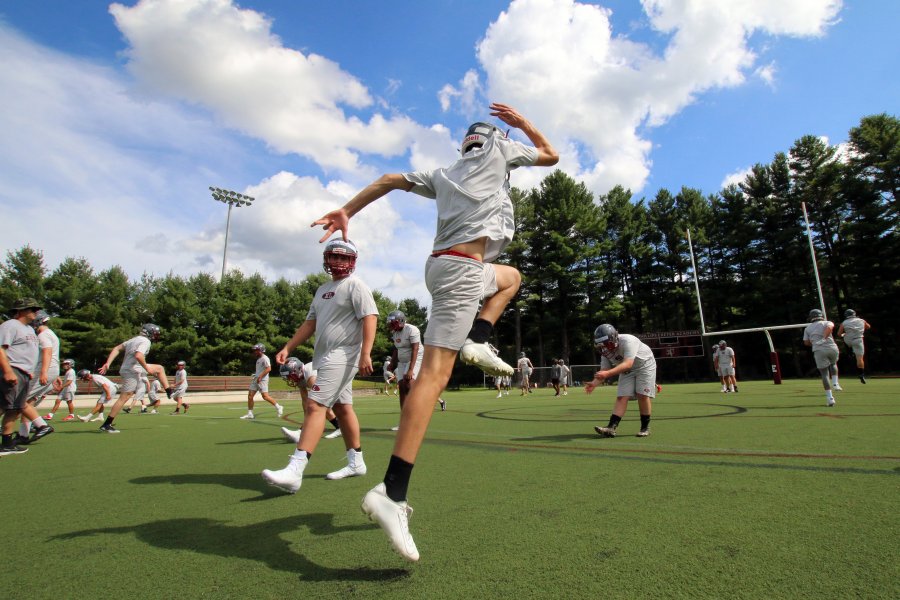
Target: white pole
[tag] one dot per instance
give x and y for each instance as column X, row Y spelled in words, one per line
column 696, row 281
column 225, row 251
column 812, row 254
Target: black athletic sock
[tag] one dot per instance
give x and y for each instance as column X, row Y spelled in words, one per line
column 481, row 331
column 645, row 422
column 108, row 422
column 7, row 439
column 614, row 421
column 308, row 455
column 396, row 479
column 358, row 449
column 334, row 422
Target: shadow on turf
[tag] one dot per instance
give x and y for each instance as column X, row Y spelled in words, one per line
column 237, row 481
column 566, row 437
column 259, row 541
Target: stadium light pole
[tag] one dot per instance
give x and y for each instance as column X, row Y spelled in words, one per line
column 232, row 199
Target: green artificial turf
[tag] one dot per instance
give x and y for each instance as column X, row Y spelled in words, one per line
column 761, row 494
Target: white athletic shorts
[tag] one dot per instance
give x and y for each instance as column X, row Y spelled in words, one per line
column 334, row 384
column 403, row 367
column 457, row 286
column 825, row 357
column 179, row 392
column 856, row 347
column 726, row 371
column 387, row 377
column 103, row 399
column 36, row 391
column 130, row 382
column 262, row 386
column 641, row 382
column 65, row 395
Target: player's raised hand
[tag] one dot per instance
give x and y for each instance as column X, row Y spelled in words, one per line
column 336, row 220
column 103, row 369
column 282, row 356
column 507, row 114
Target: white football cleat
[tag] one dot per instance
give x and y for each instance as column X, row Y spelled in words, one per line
column 830, row 402
column 356, row 466
column 249, row 415
column 393, row 517
column 292, row 435
column 334, row 434
column 837, row 387
column 289, row 478
column 484, row 358
column 279, row 409
column 84, row 419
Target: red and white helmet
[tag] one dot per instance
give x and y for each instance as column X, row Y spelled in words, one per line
column 477, row 135
column 339, row 248
column 292, row 371
column 396, row 320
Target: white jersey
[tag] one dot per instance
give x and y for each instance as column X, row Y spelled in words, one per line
column 181, row 381
column 629, row 347
column 403, row 342
column 262, row 363
column 564, row 374
column 100, row 381
column 308, row 374
column 130, row 365
column 69, row 383
column 854, row 329
column 815, row 333
column 155, row 388
column 724, row 357
column 473, row 194
column 48, row 339
column 524, row 364
column 337, row 308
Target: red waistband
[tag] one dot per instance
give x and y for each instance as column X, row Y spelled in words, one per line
column 453, row 253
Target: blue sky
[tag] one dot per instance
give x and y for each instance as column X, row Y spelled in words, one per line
column 117, row 117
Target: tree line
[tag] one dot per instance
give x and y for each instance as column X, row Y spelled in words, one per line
column 584, row 260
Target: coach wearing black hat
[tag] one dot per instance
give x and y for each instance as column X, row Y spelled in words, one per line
column 18, row 357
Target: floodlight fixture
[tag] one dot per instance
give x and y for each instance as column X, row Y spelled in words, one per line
column 232, row 199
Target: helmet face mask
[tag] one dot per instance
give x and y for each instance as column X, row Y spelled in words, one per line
column 396, row 320
column 151, row 331
column 292, row 371
column 606, row 338
column 339, row 258
column 477, row 136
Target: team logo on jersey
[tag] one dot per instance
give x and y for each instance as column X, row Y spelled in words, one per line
column 315, row 388
column 397, row 339
column 328, row 295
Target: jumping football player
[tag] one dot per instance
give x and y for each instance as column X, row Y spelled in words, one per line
column 817, row 336
column 475, row 223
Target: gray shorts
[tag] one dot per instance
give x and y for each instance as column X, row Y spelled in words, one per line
column 856, row 347
column 179, row 391
column 65, row 395
column 130, row 382
column 36, row 391
column 103, row 399
column 13, row 397
column 825, row 357
column 457, row 286
column 636, row 383
column 261, row 386
column 334, row 384
column 403, row 367
column 727, row 371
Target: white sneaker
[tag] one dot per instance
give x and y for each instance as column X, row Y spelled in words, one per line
column 356, row 466
column 499, row 395
column 99, row 417
column 249, row 415
column 85, row 418
column 334, row 434
column 279, row 409
column 393, row 517
column 565, row 393
column 395, row 428
column 153, row 412
column 837, row 387
column 484, row 358
column 830, row 402
column 289, row 478
column 292, row 435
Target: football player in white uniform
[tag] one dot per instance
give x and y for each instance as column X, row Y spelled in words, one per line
column 852, row 331
column 181, row 386
column 108, row 391
column 390, row 378
column 46, row 372
column 817, row 336
column 66, row 385
column 632, row 360
column 259, row 382
column 525, row 368
column 564, row 374
column 726, row 364
column 303, row 377
column 475, row 222
column 134, row 364
column 344, row 319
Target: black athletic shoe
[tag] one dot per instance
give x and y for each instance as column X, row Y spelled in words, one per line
column 18, row 440
column 126, row 410
column 862, row 378
column 169, row 392
column 144, row 410
column 41, row 432
column 185, row 406
column 108, row 429
column 12, row 449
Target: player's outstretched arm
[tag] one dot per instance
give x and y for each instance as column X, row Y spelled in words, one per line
column 338, row 220
column 303, row 333
column 547, row 155
column 109, row 359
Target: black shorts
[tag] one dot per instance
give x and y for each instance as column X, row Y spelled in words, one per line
column 555, row 381
column 13, row 397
